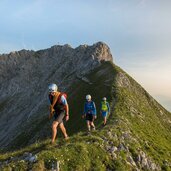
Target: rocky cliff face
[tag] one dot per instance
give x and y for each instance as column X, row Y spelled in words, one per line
column 25, row 76
column 136, row 137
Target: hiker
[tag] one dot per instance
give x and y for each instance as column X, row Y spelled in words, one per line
column 89, row 113
column 104, row 109
column 58, row 109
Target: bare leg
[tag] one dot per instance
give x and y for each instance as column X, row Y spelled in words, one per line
column 92, row 124
column 88, row 125
column 54, row 130
column 62, row 127
column 104, row 120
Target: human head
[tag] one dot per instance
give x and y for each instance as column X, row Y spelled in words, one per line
column 52, row 88
column 104, row 98
column 88, row 97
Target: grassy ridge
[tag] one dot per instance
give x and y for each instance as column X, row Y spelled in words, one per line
column 100, row 85
column 137, row 121
column 147, row 120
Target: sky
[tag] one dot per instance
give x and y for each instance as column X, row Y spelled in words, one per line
column 138, row 33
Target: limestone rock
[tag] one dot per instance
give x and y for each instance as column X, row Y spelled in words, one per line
column 26, row 74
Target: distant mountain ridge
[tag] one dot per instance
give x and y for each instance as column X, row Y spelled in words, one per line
column 25, row 76
column 136, row 137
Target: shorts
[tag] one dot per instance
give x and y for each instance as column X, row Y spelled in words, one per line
column 89, row 117
column 104, row 113
column 59, row 116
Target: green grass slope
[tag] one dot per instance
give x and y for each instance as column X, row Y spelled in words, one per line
column 137, row 135
column 98, row 84
column 146, row 119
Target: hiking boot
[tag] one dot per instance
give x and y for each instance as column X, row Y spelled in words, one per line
column 93, row 128
column 52, row 144
column 104, row 124
column 66, row 138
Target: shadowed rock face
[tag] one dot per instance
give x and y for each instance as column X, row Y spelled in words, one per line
column 24, row 76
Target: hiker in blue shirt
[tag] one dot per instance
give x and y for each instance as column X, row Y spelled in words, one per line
column 104, row 110
column 89, row 113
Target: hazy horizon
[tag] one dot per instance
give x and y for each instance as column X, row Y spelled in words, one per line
column 138, row 33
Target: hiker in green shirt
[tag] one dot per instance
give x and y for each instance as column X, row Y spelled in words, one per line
column 104, row 110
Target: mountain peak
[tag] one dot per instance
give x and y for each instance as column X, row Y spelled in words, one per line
column 136, row 137
column 99, row 50
column 23, row 72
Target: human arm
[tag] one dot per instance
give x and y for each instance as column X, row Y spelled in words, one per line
column 94, row 111
column 67, row 112
column 50, row 115
column 51, row 110
column 55, row 98
column 66, row 107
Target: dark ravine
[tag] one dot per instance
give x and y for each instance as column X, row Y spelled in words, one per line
column 137, row 136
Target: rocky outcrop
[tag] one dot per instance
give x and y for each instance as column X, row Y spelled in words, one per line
column 25, row 75
column 137, row 134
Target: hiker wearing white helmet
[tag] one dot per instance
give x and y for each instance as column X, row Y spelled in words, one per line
column 58, row 109
column 104, row 109
column 89, row 112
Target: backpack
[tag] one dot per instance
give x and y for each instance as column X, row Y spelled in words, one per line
column 59, row 105
column 60, row 95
